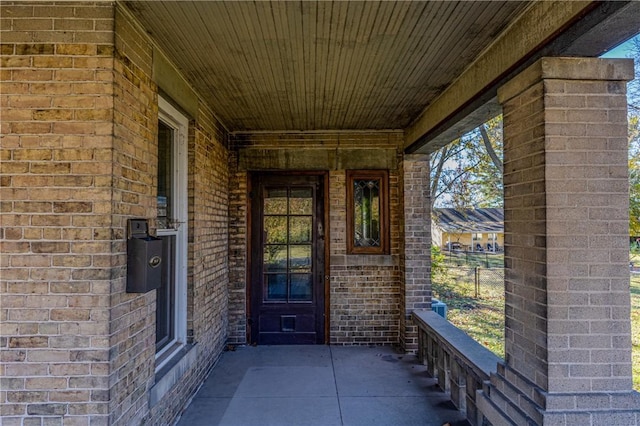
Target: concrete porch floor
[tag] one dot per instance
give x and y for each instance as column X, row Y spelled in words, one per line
column 319, row 385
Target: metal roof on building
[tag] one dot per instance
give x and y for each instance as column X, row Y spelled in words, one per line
column 451, row 220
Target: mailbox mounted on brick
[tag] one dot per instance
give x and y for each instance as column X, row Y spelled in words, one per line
column 144, row 257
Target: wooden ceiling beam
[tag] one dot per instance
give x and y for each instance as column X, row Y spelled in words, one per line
column 546, row 28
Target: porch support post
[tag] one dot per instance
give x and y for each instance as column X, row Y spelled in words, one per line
column 568, row 333
column 416, row 288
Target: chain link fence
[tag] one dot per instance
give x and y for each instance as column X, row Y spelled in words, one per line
column 471, row 259
column 489, row 282
column 484, row 270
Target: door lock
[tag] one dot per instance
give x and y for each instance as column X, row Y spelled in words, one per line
column 155, row 261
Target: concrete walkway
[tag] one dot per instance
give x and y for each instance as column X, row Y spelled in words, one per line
column 319, row 385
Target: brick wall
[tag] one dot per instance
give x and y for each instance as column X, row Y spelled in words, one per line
column 207, row 276
column 209, row 220
column 364, row 289
column 78, row 158
column 56, row 192
column 134, row 173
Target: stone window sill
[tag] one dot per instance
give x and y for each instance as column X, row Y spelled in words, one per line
column 364, row 260
column 171, row 373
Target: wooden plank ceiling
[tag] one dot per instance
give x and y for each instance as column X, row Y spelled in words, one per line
column 326, row 65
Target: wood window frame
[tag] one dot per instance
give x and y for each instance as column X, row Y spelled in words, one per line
column 383, row 176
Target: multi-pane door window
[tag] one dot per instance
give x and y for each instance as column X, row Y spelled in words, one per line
column 367, row 212
column 288, row 244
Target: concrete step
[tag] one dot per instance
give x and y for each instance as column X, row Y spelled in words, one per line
column 505, row 411
column 491, row 411
column 525, row 404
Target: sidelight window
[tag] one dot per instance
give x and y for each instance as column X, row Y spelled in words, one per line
column 367, row 212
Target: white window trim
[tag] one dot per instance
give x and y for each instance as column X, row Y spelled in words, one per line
column 180, row 124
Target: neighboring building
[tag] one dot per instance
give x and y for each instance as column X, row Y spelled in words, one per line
column 468, row 229
column 279, row 152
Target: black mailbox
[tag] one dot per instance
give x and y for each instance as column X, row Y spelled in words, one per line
column 144, row 258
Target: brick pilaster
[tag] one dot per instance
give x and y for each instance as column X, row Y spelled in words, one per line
column 416, row 286
column 567, row 337
column 238, row 204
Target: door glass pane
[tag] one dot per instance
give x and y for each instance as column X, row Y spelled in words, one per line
column 165, row 175
column 301, row 287
column 300, row 258
column 287, row 244
column 366, row 218
column 275, row 201
column 275, row 258
column 275, row 229
column 301, row 201
column 300, row 229
column 276, row 287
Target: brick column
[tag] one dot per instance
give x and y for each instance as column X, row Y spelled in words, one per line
column 416, row 286
column 567, row 337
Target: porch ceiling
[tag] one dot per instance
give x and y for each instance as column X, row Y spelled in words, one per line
column 329, row 65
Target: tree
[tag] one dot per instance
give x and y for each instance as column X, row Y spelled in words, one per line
column 633, row 102
column 633, row 89
column 468, row 172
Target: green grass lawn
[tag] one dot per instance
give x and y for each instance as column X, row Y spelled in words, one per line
column 482, row 317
